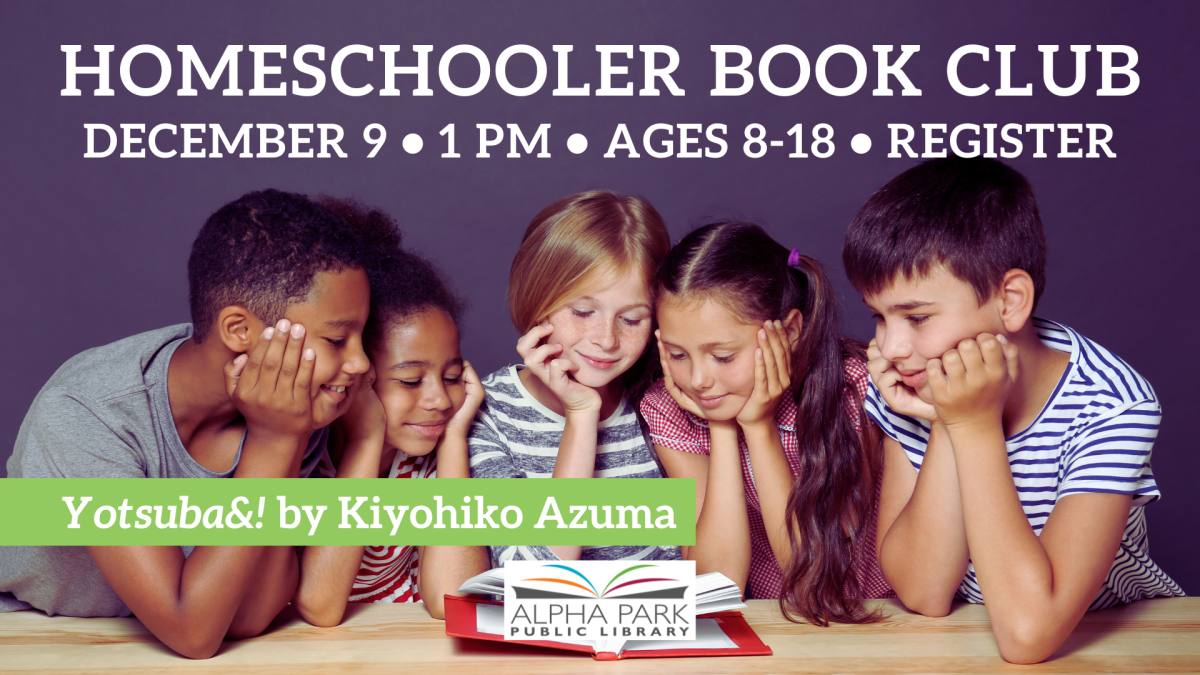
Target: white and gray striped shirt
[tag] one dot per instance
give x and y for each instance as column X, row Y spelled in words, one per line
column 515, row 436
column 1094, row 434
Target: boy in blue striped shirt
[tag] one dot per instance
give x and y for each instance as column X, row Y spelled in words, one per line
column 1017, row 452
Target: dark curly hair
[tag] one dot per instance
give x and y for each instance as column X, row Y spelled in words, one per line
column 403, row 284
column 263, row 252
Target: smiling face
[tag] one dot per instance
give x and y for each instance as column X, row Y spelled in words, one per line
column 710, row 352
column 604, row 330
column 920, row 319
column 419, row 370
column 333, row 316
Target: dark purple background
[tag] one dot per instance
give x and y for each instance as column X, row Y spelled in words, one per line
column 95, row 250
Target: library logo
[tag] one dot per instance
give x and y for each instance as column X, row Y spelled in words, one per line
column 599, row 600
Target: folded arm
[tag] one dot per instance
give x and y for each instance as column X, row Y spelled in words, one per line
column 443, row 569
column 1037, row 588
column 722, row 524
column 921, row 538
column 327, row 572
column 192, row 604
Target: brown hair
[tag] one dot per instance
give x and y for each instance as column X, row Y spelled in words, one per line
column 574, row 240
column 977, row 216
column 833, row 495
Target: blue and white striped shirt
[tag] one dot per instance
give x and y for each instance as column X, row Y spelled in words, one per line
column 515, row 436
column 1094, row 434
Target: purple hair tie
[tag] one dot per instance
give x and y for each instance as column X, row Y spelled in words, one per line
column 794, row 258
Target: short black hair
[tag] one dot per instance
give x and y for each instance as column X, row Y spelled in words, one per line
column 263, row 252
column 403, row 284
column 977, row 216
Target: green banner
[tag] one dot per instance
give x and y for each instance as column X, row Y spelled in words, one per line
column 373, row 512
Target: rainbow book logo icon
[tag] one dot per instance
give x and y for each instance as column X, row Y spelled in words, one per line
column 587, row 589
column 600, row 600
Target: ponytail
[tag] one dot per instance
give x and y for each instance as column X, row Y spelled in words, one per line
column 834, row 491
column 833, row 496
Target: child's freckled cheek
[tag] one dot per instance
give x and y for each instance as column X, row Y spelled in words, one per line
column 566, row 333
column 634, row 338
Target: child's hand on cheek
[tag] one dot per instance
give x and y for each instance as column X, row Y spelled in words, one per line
column 555, row 373
column 460, row 423
column 772, row 376
column 681, row 399
column 899, row 397
column 270, row 387
column 366, row 419
column 970, row 383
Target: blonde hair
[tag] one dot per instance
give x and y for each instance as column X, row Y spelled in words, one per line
column 576, row 239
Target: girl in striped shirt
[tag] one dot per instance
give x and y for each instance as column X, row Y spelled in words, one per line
column 580, row 291
column 409, row 420
column 760, row 403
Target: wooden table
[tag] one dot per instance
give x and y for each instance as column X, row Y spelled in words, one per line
column 1154, row 636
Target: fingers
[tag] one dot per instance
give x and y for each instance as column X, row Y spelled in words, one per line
column 668, row 381
column 233, row 372
column 474, row 386
column 1010, row 359
column 529, row 341
column 970, row 353
column 268, row 376
column 951, row 364
column 878, row 366
column 886, row 379
column 304, row 375
column 254, row 362
column 469, row 375
column 290, row 364
column 537, row 358
column 760, row 375
column 782, row 349
column 873, row 352
column 558, row 374
column 681, row 399
column 563, row 366
column 935, row 373
column 765, row 354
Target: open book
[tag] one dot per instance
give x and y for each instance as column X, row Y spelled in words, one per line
column 720, row 631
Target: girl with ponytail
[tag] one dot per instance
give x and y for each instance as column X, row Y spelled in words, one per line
column 760, row 402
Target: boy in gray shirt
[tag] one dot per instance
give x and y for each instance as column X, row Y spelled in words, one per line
column 279, row 298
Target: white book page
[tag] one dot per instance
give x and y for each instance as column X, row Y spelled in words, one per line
column 490, row 582
column 715, row 592
column 719, row 606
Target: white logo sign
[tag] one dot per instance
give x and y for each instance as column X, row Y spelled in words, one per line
column 599, row 600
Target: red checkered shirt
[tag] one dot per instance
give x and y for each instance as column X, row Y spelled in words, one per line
column 675, row 428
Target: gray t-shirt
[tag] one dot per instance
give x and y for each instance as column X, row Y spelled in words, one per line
column 104, row 414
column 515, row 436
